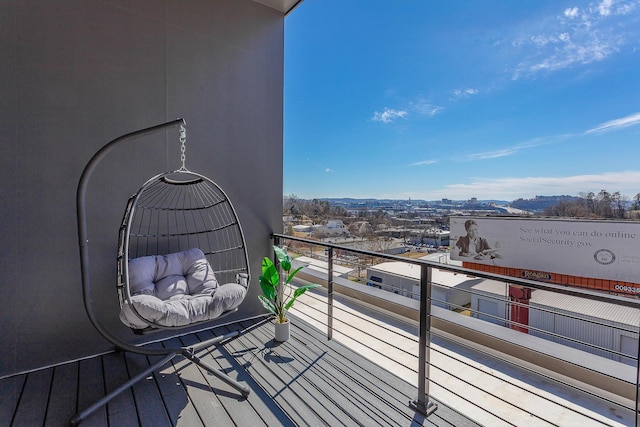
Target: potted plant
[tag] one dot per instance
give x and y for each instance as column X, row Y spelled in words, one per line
column 278, row 297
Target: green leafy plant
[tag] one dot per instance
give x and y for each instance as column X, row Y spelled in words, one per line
column 279, row 297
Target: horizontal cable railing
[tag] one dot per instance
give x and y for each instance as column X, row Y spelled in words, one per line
column 410, row 345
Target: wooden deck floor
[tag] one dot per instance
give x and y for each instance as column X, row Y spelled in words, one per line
column 305, row 381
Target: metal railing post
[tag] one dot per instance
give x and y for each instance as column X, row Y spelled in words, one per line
column 330, row 296
column 422, row 403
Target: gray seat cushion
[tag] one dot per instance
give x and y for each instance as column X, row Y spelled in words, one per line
column 176, row 290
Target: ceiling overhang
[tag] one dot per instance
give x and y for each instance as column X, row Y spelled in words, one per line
column 284, row 6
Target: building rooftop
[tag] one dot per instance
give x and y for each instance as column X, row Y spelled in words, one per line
column 441, row 277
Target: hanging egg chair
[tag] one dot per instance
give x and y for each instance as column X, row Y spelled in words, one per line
column 182, row 258
column 181, row 261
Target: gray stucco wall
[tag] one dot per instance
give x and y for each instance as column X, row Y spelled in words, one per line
column 76, row 74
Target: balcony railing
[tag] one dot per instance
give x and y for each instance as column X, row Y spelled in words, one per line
column 574, row 356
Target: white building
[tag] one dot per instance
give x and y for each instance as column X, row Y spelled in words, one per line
column 318, row 269
column 302, row 228
column 600, row 328
column 335, row 224
column 450, row 290
column 332, row 228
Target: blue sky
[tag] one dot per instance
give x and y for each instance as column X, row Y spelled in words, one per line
column 458, row 99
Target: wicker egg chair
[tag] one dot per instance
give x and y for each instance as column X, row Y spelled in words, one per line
column 181, row 262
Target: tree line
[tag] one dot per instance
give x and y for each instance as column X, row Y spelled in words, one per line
column 320, row 211
column 601, row 205
column 314, row 209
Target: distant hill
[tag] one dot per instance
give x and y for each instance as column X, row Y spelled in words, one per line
column 540, row 203
column 392, row 201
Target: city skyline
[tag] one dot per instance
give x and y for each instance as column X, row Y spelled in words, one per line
column 493, row 100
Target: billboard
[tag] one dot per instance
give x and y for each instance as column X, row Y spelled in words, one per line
column 598, row 249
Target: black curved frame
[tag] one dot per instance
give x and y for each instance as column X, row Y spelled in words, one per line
column 187, row 351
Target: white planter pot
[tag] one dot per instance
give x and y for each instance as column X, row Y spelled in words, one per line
column 282, row 331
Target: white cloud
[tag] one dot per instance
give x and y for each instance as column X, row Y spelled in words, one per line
column 605, row 7
column 465, row 93
column 571, row 12
column 631, row 120
column 420, row 107
column 567, row 53
column 320, row 166
column 513, row 188
column 424, row 108
column 388, row 115
column 543, row 40
column 508, row 151
column 625, row 9
column 503, row 152
column 576, row 37
column 424, row 162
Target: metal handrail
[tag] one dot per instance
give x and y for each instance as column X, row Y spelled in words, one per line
column 422, row 403
column 580, row 292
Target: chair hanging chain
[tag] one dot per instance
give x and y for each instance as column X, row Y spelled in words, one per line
column 183, row 140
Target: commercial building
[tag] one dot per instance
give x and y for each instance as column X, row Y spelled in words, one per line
column 600, row 328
